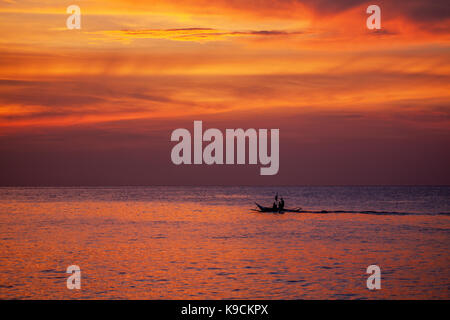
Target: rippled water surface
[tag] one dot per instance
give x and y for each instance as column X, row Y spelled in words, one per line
column 207, row 243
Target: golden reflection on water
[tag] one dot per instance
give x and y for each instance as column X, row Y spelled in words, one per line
column 187, row 250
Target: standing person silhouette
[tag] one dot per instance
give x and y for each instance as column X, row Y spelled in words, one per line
column 275, row 203
column 281, row 204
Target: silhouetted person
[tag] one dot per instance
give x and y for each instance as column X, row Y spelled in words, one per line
column 274, row 207
column 281, row 204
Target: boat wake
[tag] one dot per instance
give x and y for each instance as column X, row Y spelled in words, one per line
column 376, row 212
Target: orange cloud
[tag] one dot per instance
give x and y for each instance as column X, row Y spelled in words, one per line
column 206, row 57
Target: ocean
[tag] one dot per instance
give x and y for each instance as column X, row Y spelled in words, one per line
column 209, row 243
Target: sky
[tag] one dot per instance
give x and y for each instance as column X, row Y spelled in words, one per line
column 96, row 106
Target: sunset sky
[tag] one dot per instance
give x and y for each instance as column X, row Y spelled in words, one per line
column 96, row 106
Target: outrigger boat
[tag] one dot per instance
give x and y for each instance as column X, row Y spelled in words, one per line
column 276, row 210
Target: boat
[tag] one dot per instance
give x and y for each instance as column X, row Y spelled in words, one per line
column 270, row 209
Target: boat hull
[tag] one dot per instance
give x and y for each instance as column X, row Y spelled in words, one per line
column 269, row 209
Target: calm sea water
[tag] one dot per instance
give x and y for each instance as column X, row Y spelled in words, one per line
column 207, row 243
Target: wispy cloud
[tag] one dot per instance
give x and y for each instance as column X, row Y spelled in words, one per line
column 189, row 34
